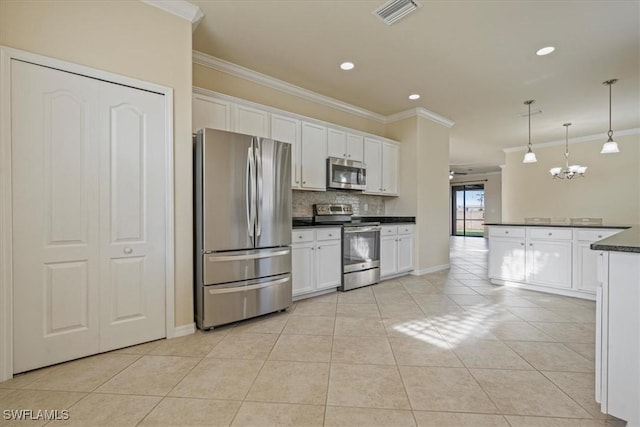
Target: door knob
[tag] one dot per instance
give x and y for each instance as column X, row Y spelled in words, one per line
column 128, row 250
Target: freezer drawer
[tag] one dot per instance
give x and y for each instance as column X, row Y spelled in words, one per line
column 238, row 301
column 225, row 267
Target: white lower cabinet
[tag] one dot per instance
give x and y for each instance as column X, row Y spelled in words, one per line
column 396, row 249
column 316, row 260
column 552, row 259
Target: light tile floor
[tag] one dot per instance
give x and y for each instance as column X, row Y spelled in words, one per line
column 443, row 349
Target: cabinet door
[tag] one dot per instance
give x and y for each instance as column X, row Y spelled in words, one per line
column 355, row 147
column 506, row 259
column 549, row 263
column 389, row 169
column 211, row 113
column 388, row 255
column 337, row 143
column 251, row 121
column 373, row 162
column 302, row 267
column 586, row 277
column 328, row 265
column 314, row 156
column 286, row 129
column 405, row 253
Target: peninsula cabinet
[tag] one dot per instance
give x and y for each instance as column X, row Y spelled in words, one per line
column 316, row 256
column 618, row 335
column 549, row 259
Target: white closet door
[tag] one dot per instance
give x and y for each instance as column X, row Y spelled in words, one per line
column 88, row 184
column 132, row 209
column 55, row 216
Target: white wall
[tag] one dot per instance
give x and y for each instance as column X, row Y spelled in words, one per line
column 610, row 190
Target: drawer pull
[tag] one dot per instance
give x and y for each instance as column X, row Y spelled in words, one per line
column 521, row 244
column 550, row 234
column 299, row 237
column 506, row 232
column 530, row 244
column 330, row 235
column 599, row 236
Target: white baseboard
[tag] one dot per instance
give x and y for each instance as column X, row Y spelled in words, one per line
column 181, row 331
column 430, row 270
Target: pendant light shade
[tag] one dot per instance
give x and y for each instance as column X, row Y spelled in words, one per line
column 530, row 156
column 610, row 146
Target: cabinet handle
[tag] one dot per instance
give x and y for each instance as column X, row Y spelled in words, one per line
column 521, row 244
column 530, row 244
column 304, row 182
column 550, row 234
column 599, row 236
column 297, row 182
column 330, row 235
column 506, row 232
column 380, row 189
column 384, row 189
column 345, row 154
column 128, row 250
column 299, row 237
column 319, row 248
column 313, row 249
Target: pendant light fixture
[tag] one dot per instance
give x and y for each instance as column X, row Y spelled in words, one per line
column 530, row 156
column 610, row 146
column 569, row 172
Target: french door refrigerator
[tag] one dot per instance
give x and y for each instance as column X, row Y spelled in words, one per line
column 242, row 225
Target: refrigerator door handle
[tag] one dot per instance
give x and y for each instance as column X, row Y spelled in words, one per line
column 245, row 257
column 250, row 192
column 248, row 288
column 258, row 154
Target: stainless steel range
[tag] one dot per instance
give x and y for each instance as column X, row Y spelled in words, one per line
column 360, row 245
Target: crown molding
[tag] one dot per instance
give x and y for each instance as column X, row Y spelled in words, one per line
column 420, row 112
column 580, row 139
column 268, row 81
column 181, row 8
column 218, row 64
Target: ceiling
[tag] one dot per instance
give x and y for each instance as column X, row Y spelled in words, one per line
column 473, row 62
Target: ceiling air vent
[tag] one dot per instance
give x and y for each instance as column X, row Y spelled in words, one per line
column 394, row 10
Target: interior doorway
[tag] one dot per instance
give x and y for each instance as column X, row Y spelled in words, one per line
column 467, row 210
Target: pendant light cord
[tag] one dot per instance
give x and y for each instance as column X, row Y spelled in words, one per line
column 610, row 133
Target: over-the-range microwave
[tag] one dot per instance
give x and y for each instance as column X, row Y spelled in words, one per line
column 345, row 174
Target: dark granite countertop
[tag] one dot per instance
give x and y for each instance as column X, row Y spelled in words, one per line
column 307, row 221
column 556, row 224
column 627, row 240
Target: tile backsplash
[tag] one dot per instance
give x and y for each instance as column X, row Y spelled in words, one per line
column 303, row 202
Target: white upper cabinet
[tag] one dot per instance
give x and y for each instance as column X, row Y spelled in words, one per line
column 336, row 143
column 251, row 121
column 389, row 169
column 343, row 145
column 311, row 141
column 287, row 129
column 355, row 147
column 313, row 157
column 209, row 112
column 373, row 163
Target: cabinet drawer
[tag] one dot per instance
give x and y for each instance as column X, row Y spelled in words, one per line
column 551, row 233
column 328, row 234
column 595, row 235
column 389, row 230
column 300, row 236
column 405, row 229
column 506, row 231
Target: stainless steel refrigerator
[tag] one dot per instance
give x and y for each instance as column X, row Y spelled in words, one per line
column 242, row 227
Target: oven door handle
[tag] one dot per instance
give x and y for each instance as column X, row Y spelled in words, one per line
column 361, row 229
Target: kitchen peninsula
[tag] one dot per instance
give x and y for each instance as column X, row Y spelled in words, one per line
column 592, row 262
column 548, row 257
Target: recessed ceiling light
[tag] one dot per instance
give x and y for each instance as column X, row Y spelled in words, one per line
column 347, row 66
column 414, row 96
column 545, row 50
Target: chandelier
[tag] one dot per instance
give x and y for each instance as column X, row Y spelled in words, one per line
column 569, row 172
